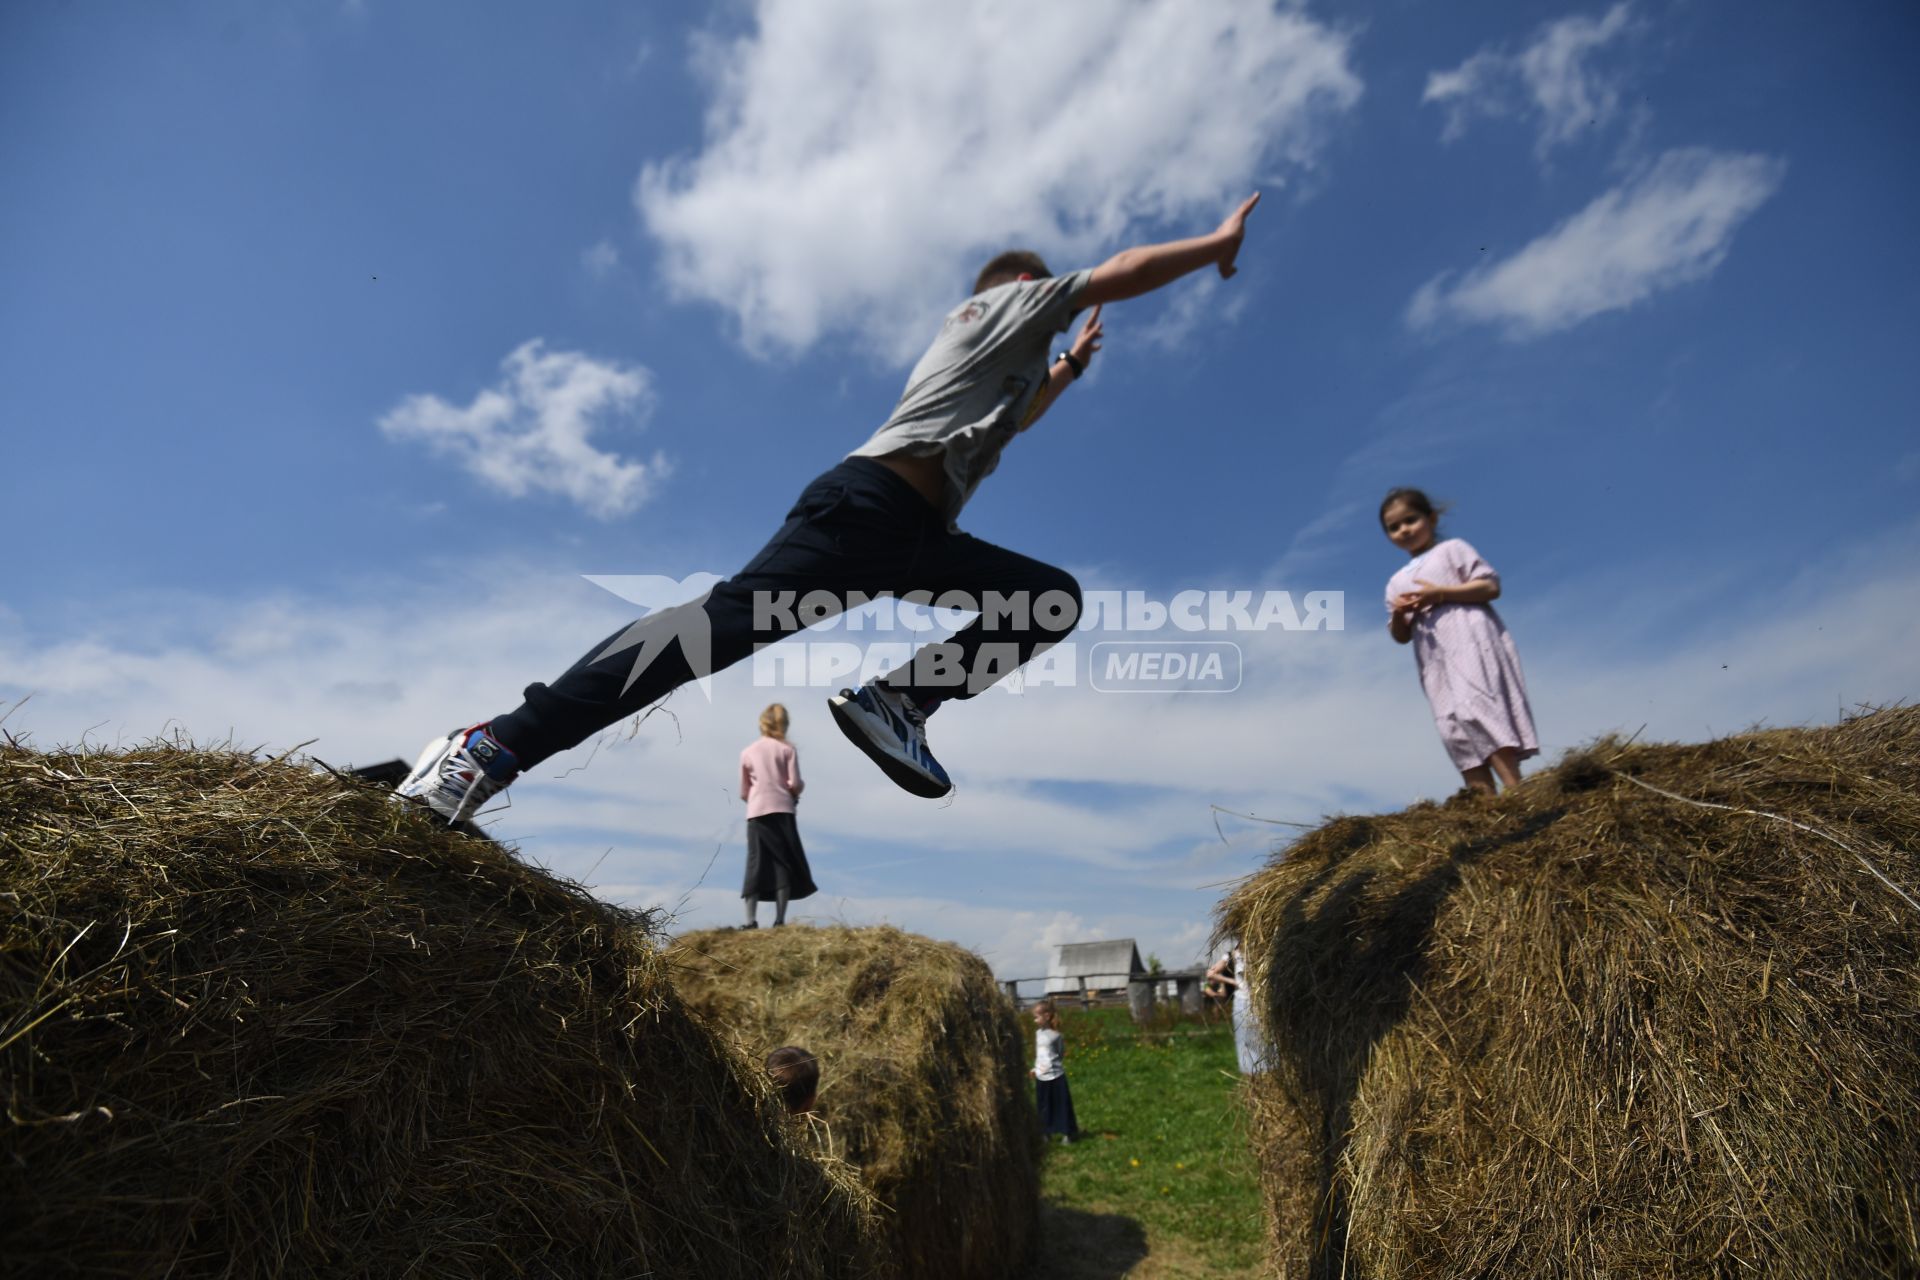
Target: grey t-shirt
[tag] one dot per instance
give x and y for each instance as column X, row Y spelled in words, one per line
column 973, row 390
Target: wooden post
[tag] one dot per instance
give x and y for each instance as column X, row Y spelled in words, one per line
column 1013, row 991
column 1140, row 998
column 1188, row 987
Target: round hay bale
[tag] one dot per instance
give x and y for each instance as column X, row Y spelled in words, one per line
column 1588, row 1029
column 258, row 1020
column 923, row 1077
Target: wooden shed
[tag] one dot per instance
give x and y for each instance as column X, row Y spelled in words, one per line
column 1094, row 967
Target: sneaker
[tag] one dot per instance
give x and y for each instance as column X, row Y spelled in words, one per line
column 457, row 774
column 893, row 732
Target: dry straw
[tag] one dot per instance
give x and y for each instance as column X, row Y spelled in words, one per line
column 923, row 1079
column 1654, row 1013
column 256, row 1020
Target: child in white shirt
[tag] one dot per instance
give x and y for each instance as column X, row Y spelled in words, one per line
column 1050, row 1078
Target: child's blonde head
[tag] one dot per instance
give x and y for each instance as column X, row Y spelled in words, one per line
column 1046, row 1014
column 773, row 721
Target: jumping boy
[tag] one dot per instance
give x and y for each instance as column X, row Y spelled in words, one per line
column 881, row 522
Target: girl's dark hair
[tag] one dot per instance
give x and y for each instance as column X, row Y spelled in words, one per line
column 1415, row 498
column 1010, row 266
column 796, row 1073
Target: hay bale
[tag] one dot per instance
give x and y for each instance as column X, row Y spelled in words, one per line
column 924, row 1081
column 257, row 1020
column 1590, row 1030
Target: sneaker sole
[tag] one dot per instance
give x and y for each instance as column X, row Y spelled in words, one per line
column 904, row 775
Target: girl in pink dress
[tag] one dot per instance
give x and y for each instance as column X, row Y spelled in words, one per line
column 1442, row 602
column 777, row 870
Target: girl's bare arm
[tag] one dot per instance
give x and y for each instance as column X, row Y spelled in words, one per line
column 1478, row 591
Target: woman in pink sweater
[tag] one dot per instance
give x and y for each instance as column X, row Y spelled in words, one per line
column 770, row 783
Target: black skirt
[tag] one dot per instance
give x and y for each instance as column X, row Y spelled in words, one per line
column 775, row 860
column 1055, row 1103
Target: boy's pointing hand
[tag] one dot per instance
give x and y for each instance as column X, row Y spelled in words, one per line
column 1232, row 232
column 1088, row 340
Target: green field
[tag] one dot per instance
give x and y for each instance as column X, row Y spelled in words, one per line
column 1160, row 1184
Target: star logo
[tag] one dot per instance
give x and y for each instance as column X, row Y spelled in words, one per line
column 676, row 610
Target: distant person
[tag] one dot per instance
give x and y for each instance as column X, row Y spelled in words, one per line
column 1051, row 1094
column 770, row 783
column 1230, row 974
column 882, row 521
column 796, row 1075
column 1442, row 601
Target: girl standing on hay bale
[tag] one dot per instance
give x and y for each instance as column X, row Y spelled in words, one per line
column 1442, row 601
column 1050, row 1078
column 777, row 870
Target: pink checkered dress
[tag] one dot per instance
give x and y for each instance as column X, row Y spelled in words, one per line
column 1468, row 664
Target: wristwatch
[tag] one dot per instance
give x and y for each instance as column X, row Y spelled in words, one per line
column 1072, row 364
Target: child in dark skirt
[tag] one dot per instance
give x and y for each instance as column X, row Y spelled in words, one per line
column 777, row 870
column 1050, row 1078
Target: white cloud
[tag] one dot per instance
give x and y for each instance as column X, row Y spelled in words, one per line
column 862, row 156
column 533, row 432
column 1063, row 928
column 1550, row 79
column 600, row 259
column 1670, row 225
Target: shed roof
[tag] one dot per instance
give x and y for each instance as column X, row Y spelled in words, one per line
column 1102, row 964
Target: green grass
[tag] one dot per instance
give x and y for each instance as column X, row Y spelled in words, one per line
column 1163, row 1148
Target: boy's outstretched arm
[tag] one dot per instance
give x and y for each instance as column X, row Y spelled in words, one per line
column 1132, row 272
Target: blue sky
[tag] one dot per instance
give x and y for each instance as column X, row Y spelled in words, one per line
column 338, row 341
